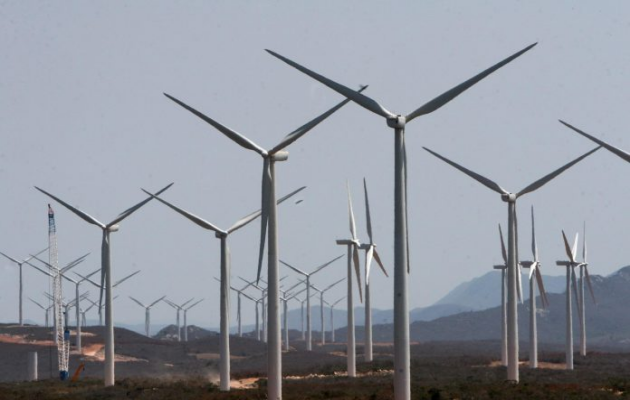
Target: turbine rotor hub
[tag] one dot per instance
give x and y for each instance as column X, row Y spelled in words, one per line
column 397, row 122
column 508, row 197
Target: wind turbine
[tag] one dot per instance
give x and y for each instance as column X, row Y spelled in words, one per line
column 332, row 319
column 570, row 266
column 21, row 291
column 535, row 278
column 147, row 313
column 83, row 312
column 582, row 308
column 100, row 309
column 186, row 321
column 309, row 338
column 269, row 227
column 43, row 308
column 178, row 308
column 370, row 253
column 321, row 302
column 222, row 235
column 402, row 380
column 62, row 272
column 240, row 315
column 106, row 283
column 352, row 250
column 263, row 299
column 77, row 283
column 512, row 254
column 503, row 268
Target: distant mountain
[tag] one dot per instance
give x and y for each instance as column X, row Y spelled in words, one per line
column 607, row 322
column 194, row 332
column 485, row 291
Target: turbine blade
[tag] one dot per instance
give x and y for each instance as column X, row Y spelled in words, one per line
column 195, row 303
column 503, row 251
column 264, row 218
column 367, row 212
column 584, row 252
column 39, row 269
column 74, row 263
column 590, row 285
column 135, row 208
column 575, row 246
column 539, row 183
column 459, row 89
column 233, row 135
column 600, row 142
column 36, row 254
column 87, row 279
column 325, row 265
column 11, row 258
column 251, row 217
column 333, row 284
column 86, row 217
column 294, row 268
column 353, row 227
column 125, row 278
column 368, row 263
column 567, row 247
column 380, row 264
column 357, row 269
column 483, row 180
column 534, row 244
column 541, row 288
column 137, row 301
column 358, row 98
column 301, row 131
column 532, row 270
column 194, row 218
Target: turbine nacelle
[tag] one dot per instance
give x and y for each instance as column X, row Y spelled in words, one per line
column 397, row 122
column 220, row 235
column 508, row 197
column 113, row 228
column 281, row 155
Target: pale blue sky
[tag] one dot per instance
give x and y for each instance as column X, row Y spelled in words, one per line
column 82, row 115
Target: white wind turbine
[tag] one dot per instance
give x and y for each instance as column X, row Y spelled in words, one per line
column 352, row 250
column 582, row 308
column 332, row 319
column 186, row 320
column 45, row 310
column 370, row 253
column 106, row 282
column 100, row 309
column 147, row 313
column 503, row 268
column 321, row 302
column 512, row 254
column 77, row 283
column 239, row 315
column 269, row 227
column 178, row 308
column 21, row 291
column 263, row 302
column 222, row 235
column 309, row 338
column 535, row 279
column 402, row 382
column 62, row 272
column 83, row 312
column 570, row 266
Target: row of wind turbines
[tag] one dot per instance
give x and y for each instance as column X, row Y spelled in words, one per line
column 401, row 264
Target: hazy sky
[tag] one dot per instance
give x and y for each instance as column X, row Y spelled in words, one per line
column 82, row 115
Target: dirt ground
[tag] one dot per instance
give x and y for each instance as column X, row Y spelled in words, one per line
column 153, row 369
